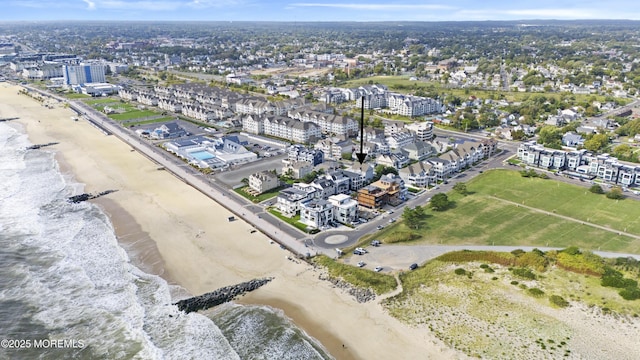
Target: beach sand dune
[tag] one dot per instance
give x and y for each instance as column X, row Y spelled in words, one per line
column 178, row 233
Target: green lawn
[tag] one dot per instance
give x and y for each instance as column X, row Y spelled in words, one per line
column 136, row 114
column 482, row 218
column 569, row 200
column 103, row 101
column 152, row 121
column 76, row 96
column 260, row 198
column 293, row 221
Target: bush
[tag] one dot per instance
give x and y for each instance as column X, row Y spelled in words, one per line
column 558, row 301
column 514, row 283
column 596, row 189
column 524, row 273
column 630, row 293
column 400, row 236
column 460, row 271
column 535, row 292
column 484, row 266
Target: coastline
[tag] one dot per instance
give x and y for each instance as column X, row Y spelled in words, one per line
column 176, row 232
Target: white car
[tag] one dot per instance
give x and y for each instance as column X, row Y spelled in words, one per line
column 361, row 264
column 362, row 250
column 378, row 269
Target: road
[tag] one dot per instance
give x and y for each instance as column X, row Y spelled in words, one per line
column 399, row 257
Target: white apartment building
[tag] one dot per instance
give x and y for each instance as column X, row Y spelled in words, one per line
column 345, row 209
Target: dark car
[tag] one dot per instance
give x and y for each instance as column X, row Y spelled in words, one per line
column 413, row 266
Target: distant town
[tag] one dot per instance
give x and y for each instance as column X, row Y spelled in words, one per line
column 278, row 112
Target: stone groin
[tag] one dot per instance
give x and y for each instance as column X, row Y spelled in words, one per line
column 38, row 146
column 84, row 197
column 220, row 296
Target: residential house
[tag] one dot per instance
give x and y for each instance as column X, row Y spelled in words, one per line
column 334, row 147
column 400, row 140
column 299, row 152
column 419, row 150
column 316, row 213
column 572, row 139
column 420, row 174
column 289, row 200
column 345, row 209
column 297, row 169
column 263, row 181
column 441, row 168
column 395, row 160
column 394, row 186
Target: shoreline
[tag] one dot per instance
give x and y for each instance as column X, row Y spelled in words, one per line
column 183, row 236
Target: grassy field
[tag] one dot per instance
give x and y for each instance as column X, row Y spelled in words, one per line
column 482, row 218
column 135, row 114
column 103, row 101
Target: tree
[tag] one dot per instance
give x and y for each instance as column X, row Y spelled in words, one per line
column 596, row 189
column 440, row 202
column 597, row 142
column 460, row 188
column 615, row 193
column 413, row 217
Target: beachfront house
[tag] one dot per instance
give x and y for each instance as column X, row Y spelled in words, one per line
column 263, row 181
column 316, row 214
column 345, row 209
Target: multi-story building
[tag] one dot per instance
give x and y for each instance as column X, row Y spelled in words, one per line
column 345, row 209
column 372, row 197
column 297, row 169
column 581, row 163
column 420, row 174
column 263, row 181
column 316, row 213
column 299, row 152
column 333, row 148
column 82, row 74
column 422, row 131
column 289, row 200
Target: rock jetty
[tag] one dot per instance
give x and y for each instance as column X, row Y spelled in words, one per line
column 220, row 296
column 84, row 197
column 38, row 146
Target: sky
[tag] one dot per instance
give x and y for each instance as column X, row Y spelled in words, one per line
column 317, row 10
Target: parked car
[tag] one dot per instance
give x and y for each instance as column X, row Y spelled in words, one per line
column 361, row 264
column 358, row 252
column 378, row 269
column 379, row 227
column 413, row 266
column 376, row 243
column 362, row 250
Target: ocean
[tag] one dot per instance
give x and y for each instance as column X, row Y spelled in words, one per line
column 68, row 290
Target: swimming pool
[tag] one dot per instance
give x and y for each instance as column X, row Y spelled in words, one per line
column 202, row 155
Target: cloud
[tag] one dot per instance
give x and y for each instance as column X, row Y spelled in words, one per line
column 550, row 13
column 385, row 7
column 90, row 4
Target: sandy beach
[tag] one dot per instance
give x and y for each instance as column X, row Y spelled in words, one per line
column 172, row 230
